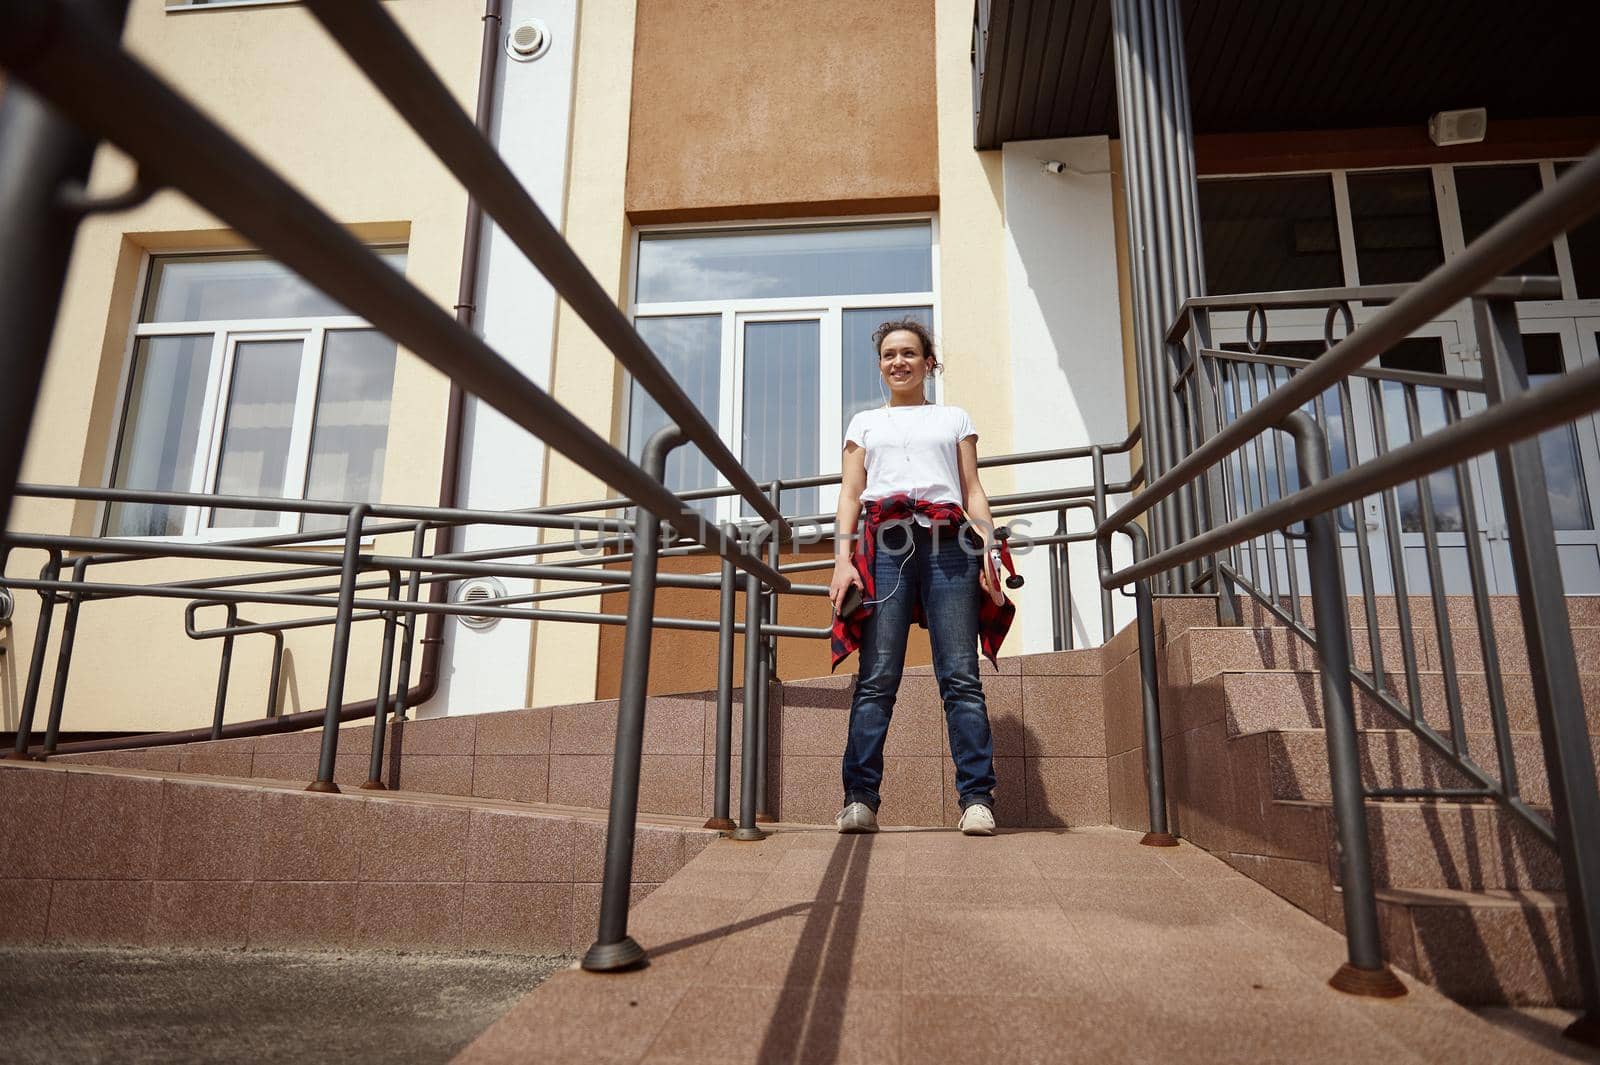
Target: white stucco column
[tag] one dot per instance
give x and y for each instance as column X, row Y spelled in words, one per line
column 1066, row 354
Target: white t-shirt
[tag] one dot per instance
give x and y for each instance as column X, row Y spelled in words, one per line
column 912, row 450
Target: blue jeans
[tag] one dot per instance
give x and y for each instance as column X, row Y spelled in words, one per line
column 945, row 582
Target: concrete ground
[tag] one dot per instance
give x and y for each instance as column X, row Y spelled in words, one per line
column 921, row 946
column 172, row 1007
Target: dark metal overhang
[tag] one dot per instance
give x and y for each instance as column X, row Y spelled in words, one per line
column 1043, row 68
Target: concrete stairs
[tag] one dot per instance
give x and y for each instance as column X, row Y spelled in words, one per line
column 1470, row 899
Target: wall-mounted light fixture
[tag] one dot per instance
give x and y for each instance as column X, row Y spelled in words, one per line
column 1458, row 127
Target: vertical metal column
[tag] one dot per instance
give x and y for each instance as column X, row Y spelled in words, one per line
column 339, row 658
column 41, row 155
column 613, row 948
column 224, row 674
column 41, row 642
column 69, row 635
column 1547, row 629
column 1159, row 193
column 1160, row 834
column 769, row 657
column 721, row 768
column 380, row 709
column 747, row 829
column 1365, row 973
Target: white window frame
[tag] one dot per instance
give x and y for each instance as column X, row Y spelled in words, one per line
column 735, row 312
column 222, row 5
column 225, row 336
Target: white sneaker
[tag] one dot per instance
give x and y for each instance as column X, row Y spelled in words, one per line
column 856, row 817
column 977, row 820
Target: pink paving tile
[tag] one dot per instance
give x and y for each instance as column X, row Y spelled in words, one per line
column 818, row 731
column 736, row 729
column 410, row 916
column 1007, row 725
column 675, row 724
column 521, row 777
column 110, row 827
column 917, row 726
column 221, row 758
column 580, row 780
column 670, row 783
column 1010, row 793
column 586, row 916
column 1064, row 716
column 309, row 741
column 26, row 905
column 436, row 774
column 405, row 842
column 584, row 728
column 569, row 1022
column 1067, row 791
column 210, row 832
column 294, row 765
column 199, row 914
column 1083, row 663
column 517, row 918
column 99, row 911
column 812, row 790
column 30, row 832
column 507, row 846
column 708, row 786
column 912, row 791
column 514, row 732
column 306, row 836
column 794, row 1024
column 292, row 914
column 658, row 853
column 159, row 759
column 437, row 735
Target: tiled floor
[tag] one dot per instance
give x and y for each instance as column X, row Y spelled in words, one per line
column 922, row 945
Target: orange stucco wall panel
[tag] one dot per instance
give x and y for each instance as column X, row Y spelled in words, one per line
column 745, row 108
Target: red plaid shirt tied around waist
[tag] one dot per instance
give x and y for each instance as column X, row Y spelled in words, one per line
column 994, row 619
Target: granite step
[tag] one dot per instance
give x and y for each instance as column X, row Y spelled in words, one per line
column 1200, row 652
column 1262, row 700
column 1483, row 948
column 1440, row 844
column 1396, row 758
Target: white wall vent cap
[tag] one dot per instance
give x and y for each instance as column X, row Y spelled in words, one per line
column 480, row 590
column 528, row 40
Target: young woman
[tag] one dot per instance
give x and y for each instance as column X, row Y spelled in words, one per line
column 911, row 467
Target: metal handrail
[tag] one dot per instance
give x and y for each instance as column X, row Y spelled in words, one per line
column 1525, row 230
column 1509, row 427
column 371, row 37
column 89, row 77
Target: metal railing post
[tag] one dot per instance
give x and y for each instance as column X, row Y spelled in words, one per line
column 1160, row 834
column 722, row 768
column 1547, row 630
column 224, row 670
column 69, row 635
column 613, row 948
column 339, row 659
column 1365, row 973
column 1060, row 595
column 380, row 708
column 41, row 642
column 747, row 829
column 769, row 664
column 414, row 592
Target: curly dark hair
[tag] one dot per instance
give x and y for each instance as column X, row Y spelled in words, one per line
column 909, row 325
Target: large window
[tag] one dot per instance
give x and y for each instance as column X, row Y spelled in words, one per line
column 245, row 380
column 769, row 333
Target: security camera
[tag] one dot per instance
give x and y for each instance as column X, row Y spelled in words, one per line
column 1055, row 166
